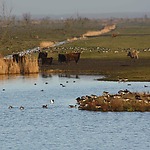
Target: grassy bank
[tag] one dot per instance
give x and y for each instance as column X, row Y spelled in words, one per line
column 104, row 54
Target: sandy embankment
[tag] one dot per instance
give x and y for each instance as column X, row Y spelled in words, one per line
column 97, row 33
column 108, row 28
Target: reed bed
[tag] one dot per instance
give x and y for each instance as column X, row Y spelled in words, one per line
column 27, row 66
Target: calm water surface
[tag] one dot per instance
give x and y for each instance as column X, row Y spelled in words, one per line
column 62, row 128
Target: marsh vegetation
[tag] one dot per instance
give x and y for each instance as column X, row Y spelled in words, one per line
column 105, row 54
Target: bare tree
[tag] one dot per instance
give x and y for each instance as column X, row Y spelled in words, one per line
column 5, row 23
column 27, row 18
column 5, row 13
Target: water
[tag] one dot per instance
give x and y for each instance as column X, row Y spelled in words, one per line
column 62, row 128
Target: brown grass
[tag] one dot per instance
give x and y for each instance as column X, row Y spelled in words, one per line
column 8, row 66
column 46, row 44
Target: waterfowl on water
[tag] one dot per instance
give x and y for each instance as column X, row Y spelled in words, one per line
column 62, row 85
column 21, row 107
column 52, row 101
column 44, row 106
column 10, row 107
column 72, row 106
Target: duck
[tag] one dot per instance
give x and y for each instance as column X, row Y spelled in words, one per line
column 52, row 101
column 21, row 107
column 10, row 107
column 72, row 106
column 44, row 106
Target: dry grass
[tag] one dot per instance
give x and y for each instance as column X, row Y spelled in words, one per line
column 46, row 44
column 8, row 66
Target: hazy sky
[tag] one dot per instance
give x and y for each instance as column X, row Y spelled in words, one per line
column 58, row 7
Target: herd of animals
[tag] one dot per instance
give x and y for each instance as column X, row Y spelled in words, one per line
column 43, row 58
column 73, row 56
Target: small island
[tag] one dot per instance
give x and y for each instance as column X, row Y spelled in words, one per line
column 123, row 101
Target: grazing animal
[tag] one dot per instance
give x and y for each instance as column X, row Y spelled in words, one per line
column 114, row 35
column 17, row 58
column 42, row 55
column 62, row 58
column 133, row 54
column 43, row 59
column 69, row 57
column 47, row 61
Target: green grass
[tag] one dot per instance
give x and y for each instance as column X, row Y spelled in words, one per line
column 131, row 34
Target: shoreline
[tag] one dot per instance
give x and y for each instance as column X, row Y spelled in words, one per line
column 112, row 70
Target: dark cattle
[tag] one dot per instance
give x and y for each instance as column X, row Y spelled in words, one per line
column 19, row 59
column 69, row 57
column 42, row 55
column 47, row 61
column 61, row 57
column 16, row 58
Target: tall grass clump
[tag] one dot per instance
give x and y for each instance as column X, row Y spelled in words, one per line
column 29, row 66
column 26, row 66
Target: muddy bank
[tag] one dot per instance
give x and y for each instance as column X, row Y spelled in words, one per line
column 24, row 65
column 112, row 69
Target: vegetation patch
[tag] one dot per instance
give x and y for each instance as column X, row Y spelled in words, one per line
column 124, row 100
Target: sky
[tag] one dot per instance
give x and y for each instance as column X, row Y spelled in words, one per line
column 58, row 7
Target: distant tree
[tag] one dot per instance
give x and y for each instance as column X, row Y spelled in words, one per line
column 27, row 18
column 145, row 17
column 5, row 13
column 5, row 22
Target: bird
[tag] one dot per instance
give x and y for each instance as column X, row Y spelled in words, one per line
column 10, row 107
column 72, row 106
column 21, row 107
column 52, row 101
column 44, row 106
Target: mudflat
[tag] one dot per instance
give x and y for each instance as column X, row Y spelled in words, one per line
column 112, row 69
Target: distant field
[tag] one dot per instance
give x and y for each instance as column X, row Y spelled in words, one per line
column 22, row 37
column 107, row 54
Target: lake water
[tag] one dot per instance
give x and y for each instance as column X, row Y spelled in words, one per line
column 60, row 127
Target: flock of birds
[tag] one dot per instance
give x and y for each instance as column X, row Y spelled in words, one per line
column 95, row 49
column 45, row 106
